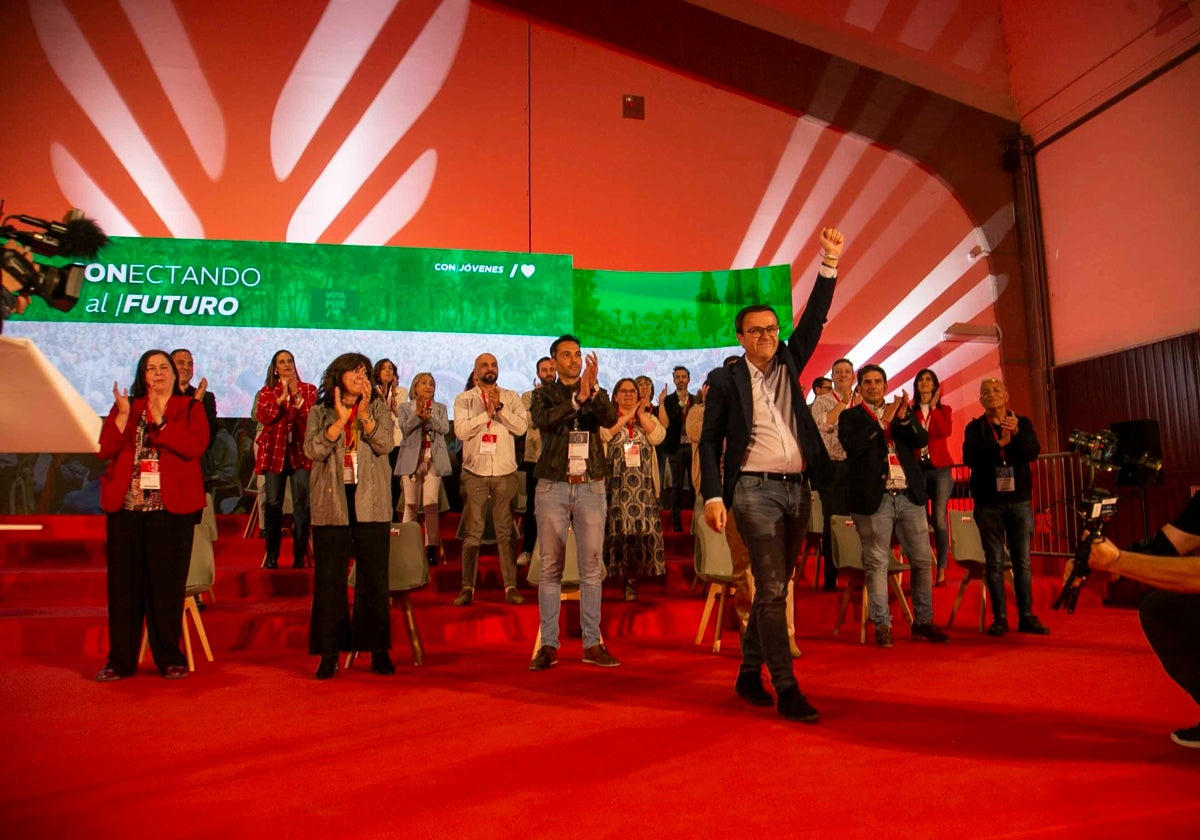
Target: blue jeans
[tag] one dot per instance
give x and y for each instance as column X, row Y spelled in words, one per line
column 582, row 507
column 1014, row 521
column 272, row 512
column 938, row 485
column 898, row 514
column 772, row 518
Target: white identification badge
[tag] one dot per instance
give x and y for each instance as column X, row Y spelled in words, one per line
column 895, row 471
column 487, row 445
column 1006, row 480
column 350, row 468
column 633, row 454
column 151, row 477
column 577, row 453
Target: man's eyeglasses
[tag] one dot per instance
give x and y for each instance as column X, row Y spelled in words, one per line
column 758, row 332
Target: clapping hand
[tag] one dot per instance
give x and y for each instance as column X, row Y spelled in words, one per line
column 122, row 400
column 200, row 392
column 343, row 411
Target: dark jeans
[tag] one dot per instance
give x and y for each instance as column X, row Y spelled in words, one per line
column 1014, row 521
column 772, row 518
column 272, row 512
column 148, row 555
column 938, row 484
column 331, row 629
column 680, row 463
column 1171, row 622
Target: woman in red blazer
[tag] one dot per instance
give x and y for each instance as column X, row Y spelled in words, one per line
column 152, row 490
column 935, row 460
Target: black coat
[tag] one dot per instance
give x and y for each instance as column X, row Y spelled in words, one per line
column 866, row 458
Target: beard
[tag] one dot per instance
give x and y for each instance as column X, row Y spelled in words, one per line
column 487, row 378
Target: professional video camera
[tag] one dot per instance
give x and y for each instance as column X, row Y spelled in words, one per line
column 1101, row 452
column 60, row 286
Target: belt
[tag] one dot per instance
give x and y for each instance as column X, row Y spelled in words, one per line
column 577, row 479
column 798, row 478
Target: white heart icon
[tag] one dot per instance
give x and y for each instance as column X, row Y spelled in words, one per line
column 528, row 269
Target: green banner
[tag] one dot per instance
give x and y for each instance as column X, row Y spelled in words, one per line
column 676, row 310
column 203, row 282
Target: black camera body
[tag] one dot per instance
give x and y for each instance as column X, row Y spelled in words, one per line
column 60, row 286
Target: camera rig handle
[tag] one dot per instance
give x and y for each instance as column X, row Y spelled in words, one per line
column 1078, row 572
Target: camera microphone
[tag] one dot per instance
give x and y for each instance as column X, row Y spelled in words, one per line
column 75, row 236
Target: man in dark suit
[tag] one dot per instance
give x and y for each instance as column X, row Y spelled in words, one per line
column 757, row 422
column 676, row 448
column 886, row 494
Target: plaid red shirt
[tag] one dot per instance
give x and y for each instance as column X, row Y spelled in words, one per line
column 283, row 428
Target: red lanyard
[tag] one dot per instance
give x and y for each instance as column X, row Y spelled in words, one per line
column 350, row 427
column 483, row 396
column 925, row 419
column 629, row 429
column 887, row 430
column 996, row 437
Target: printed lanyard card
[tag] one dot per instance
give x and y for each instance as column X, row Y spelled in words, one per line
column 577, row 452
column 487, row 444
column 350, row 468
column 895, row 471
column 633, row 455
column 151, row 478
column 1006, row 480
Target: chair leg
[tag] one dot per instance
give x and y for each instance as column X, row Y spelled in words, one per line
column 841, row 616
column 414, row 635
column 187, row 642
column 904, row 605
column 145, row 645
column 983, row 599
column 720, row 618
column 350, row 657
column 962, row 589
column 190, row 609
column 862, row 622
column 709, row 600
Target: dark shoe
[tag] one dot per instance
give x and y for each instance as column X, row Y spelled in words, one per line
column 431, row 554
column 381, row 663
column 929, row 632
column 999, row 627
column 677, row 524
column 465, row 597
column 750, row 688
column 513, row 596
column 1187, row 737
column 883, row 635
column 109, row 674
column 175, row 672
column 546, row 657
column 271, row 562
column 327, row 668
column 199, row 602
column 630, row 590
column 793, row 705
column 599, row 655
column 1030, row 624
column 298, row 564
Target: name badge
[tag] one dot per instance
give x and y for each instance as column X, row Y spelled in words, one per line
column 633, row 454
column 350, row 468
column 577, row 452
column 151, row 478
column 1006, row 480
column 426, row 450
column 895, row 471
column 487, row 445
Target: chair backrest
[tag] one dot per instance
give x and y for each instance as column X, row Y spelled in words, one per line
column 711, row 553
column 847, row 545
column 816, row 515
column 570, row 575
column 965, row 542
column 408, row 565
column 202, row 570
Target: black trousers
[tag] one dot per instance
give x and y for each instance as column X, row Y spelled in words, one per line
column 331, row 629
column 148, row 556
column 1171, row 622
column 529, row 519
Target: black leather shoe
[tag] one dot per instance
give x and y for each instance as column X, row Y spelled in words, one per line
column 327, row 668
column 930, row 632
column 546, row 657
column 175, row 672
column 793, row 705
column 999, row 627
column 1030, row 624
column 298, row 564
column 109, row 674
column 381, row 664
column 750, row 688
column 271, row 563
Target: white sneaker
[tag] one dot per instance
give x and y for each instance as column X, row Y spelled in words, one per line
column 523, row 558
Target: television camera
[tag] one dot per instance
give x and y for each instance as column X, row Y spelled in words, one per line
column 58, row 285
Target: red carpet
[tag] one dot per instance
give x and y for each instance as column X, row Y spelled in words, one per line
column 1026, row 737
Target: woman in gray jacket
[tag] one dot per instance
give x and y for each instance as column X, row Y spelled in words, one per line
column 348, row 439
column 423, row 458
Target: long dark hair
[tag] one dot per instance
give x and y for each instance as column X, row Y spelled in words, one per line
column 395, row 383
column 272, row 376
column 920, row 373
column 332, row 378
column 138, row 388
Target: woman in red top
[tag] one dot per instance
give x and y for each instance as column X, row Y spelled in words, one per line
column 281, row 409
column 935, row 460
column 152, row 490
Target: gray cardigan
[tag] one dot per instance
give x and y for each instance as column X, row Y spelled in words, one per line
column 327, row 491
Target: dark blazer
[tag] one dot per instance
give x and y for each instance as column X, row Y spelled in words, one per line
column 180, row 441
column 674, row 411
column 728, row 404
column 866, row 458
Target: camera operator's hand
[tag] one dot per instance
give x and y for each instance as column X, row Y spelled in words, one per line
column 1104, row 556
column 21, row 298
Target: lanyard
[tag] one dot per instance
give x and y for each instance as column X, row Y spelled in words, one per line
column 887, row 430
column 629, row 430
column 483, row 396
column 925, row 419
column 992, row 427
column 350, row 427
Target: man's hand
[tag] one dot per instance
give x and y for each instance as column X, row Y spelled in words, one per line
column 202, row 390
column 1104, row 556
column 832, row 242
column 715, row 515
column 1008, row 427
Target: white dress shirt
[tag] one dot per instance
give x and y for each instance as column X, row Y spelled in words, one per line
column 471, row 424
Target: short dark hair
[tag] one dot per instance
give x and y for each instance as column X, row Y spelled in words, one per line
column 922, row 372
column 543, row 359
column 138, row 388
column 728, row 360
column 754, row 307
column 180, row 350
column 560, row 340
column 332, row 378
column 272, row 376
column 865, row 369
column 820, row 381
column 678, row 368
column 839, row 361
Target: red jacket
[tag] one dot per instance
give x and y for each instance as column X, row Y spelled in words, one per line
column 941, row 425
column 180, row 442
column 281, row 441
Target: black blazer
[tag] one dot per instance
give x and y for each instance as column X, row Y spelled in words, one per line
column 866, row 458
column 674, row 410
column 728, row 404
